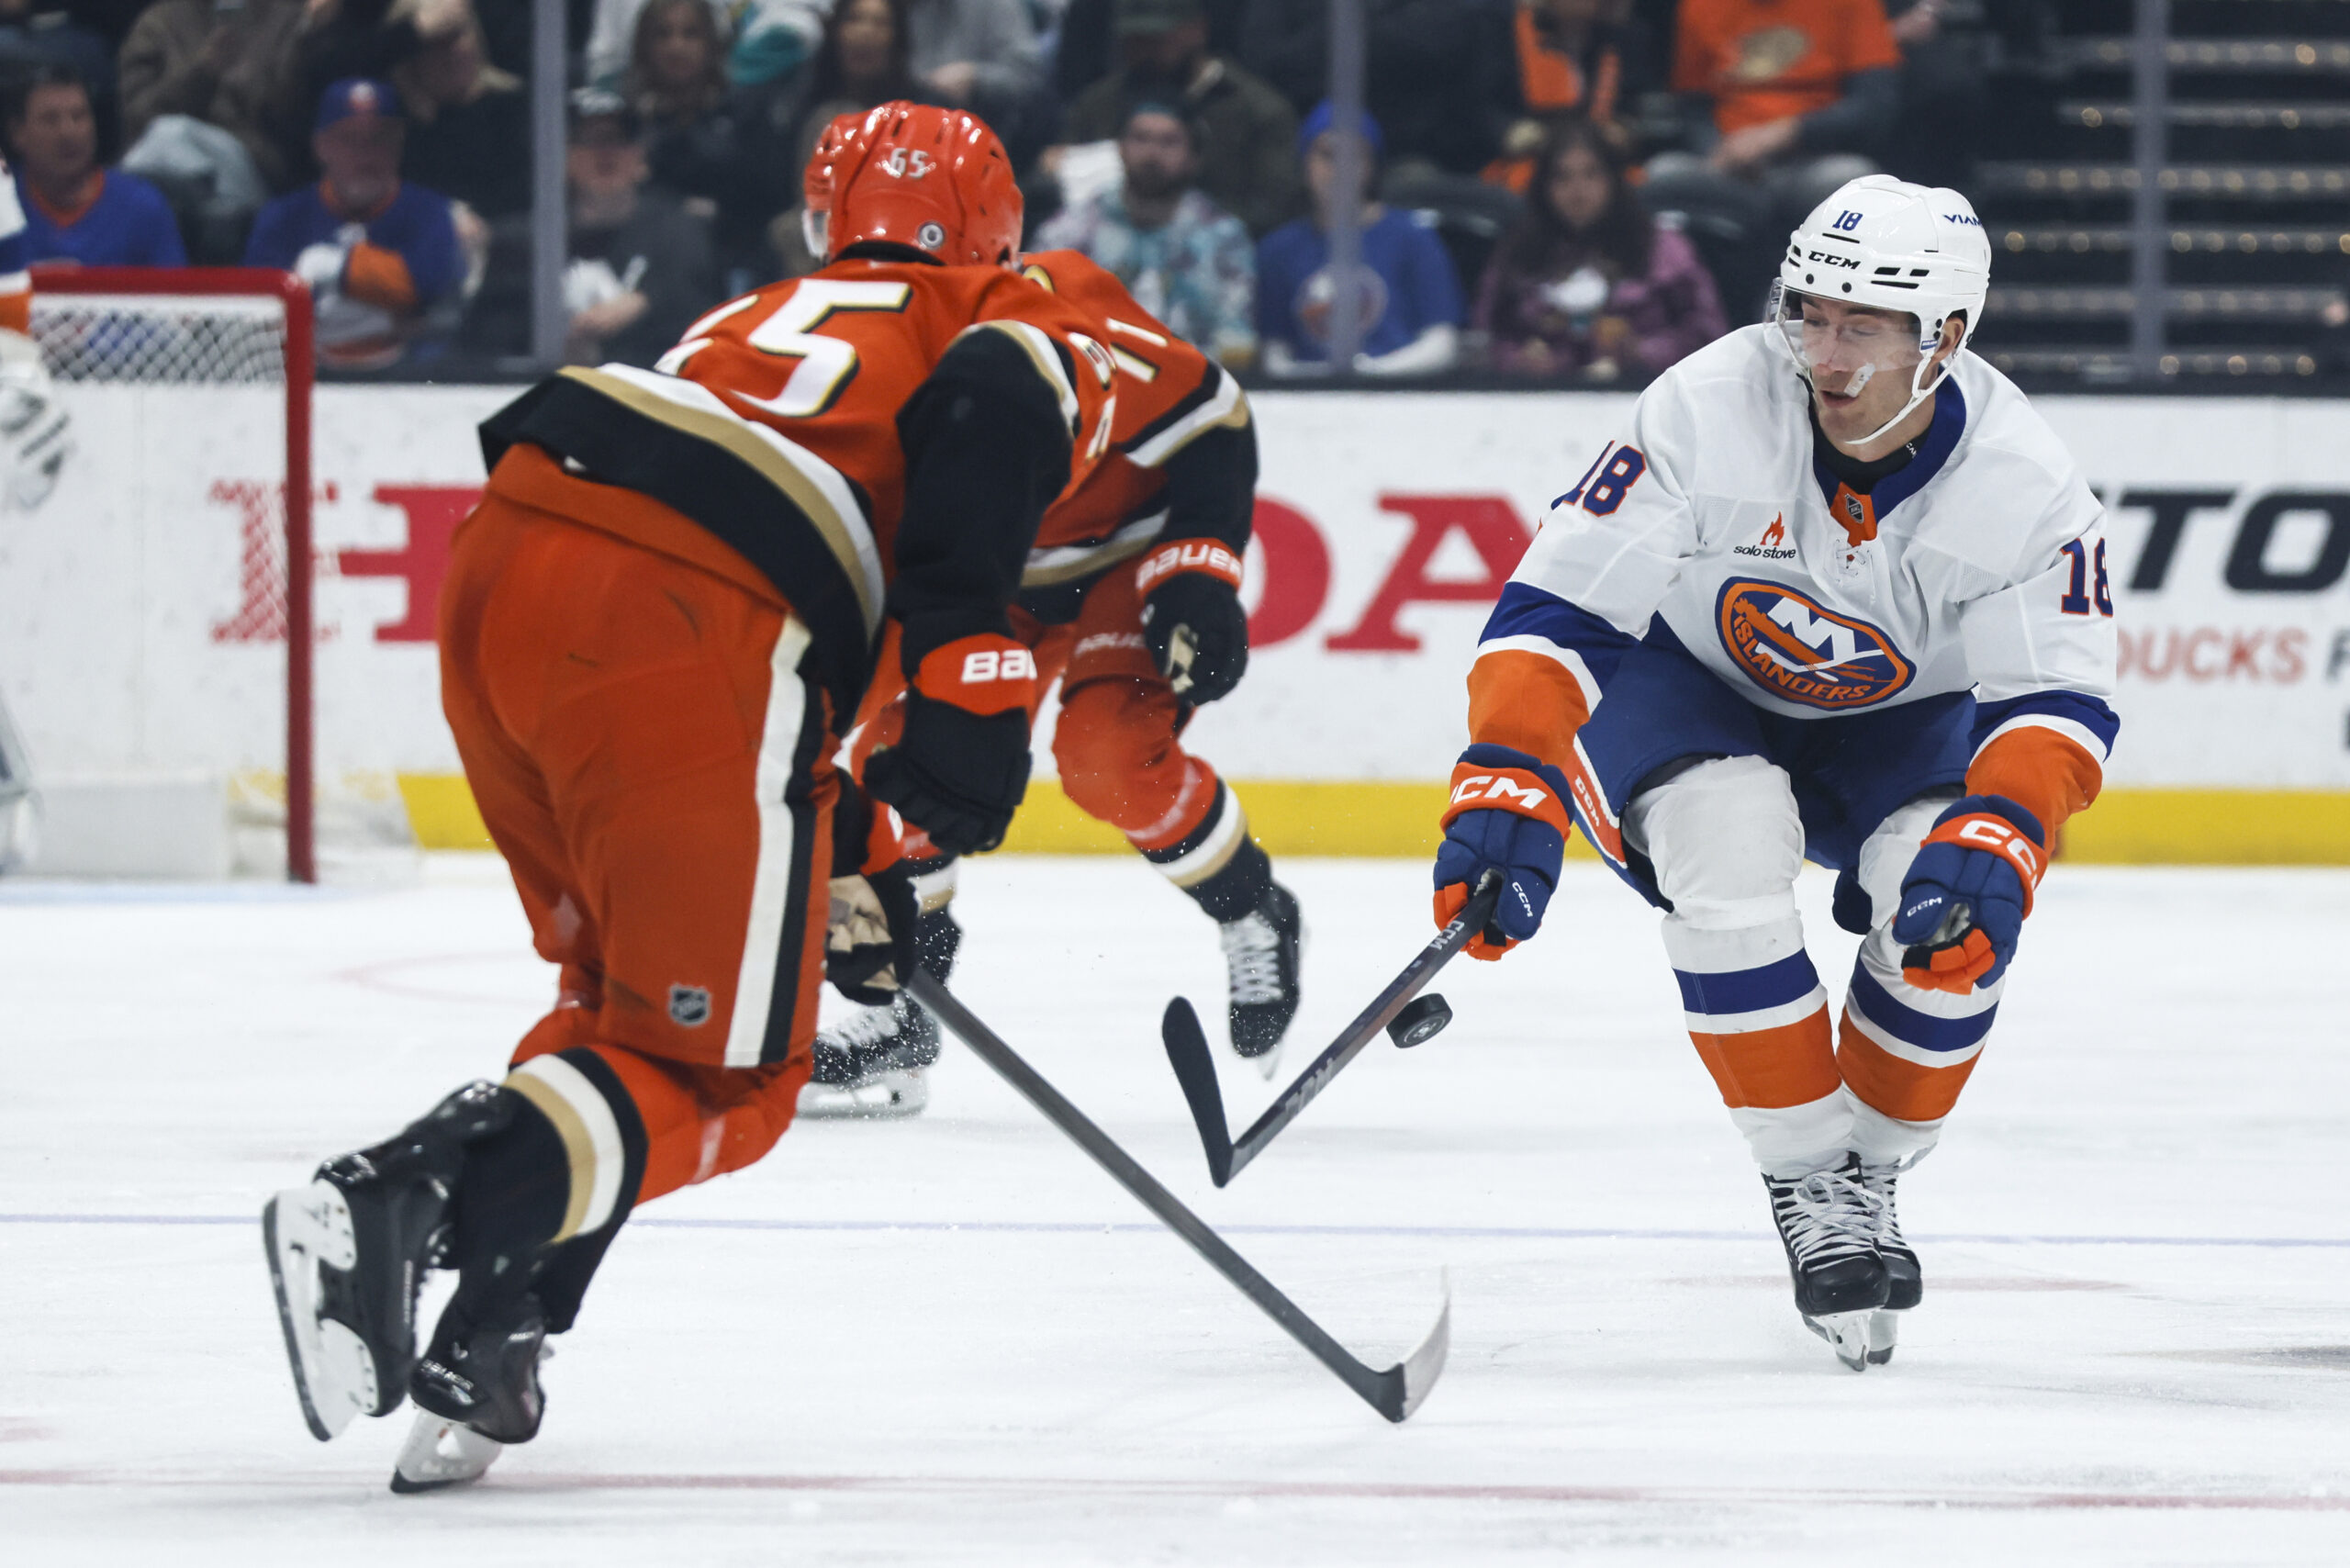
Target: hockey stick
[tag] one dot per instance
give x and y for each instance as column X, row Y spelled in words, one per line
column 1187, row 1044
column 1394, row 1392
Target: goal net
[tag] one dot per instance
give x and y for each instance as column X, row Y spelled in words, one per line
column 155, row 610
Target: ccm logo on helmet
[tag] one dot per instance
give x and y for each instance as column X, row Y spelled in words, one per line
column 1827, row 260
column 1802, row 652
column 1492, row 787
column 993, row 664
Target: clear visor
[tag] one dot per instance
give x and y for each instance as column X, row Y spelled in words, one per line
column 815, row 228
column 1843, row 348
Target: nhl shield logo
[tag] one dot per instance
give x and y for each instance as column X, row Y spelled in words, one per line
column 1799, row 652
column 688, row 1007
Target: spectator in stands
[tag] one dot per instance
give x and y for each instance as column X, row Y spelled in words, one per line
column 1586, row 59
column 1084, row 48
column 1246, row 129
column 772, row 39
column 712, row 147
column 865, row 60
column 641, row 268
column 235, row 66
column 75, row 210
column 971, row 51
column 1800, row 94
column 983, row 55
column 380, row 254
column 1439, row 75
column 343, row 40
column 469, row 122
column 1947, row 49
column 1183, row 258
column 1410, row 297
column 47, row 32
column 1588, row 285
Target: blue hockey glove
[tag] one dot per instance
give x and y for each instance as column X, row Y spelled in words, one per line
column 1963, row 902
column 1508, row 812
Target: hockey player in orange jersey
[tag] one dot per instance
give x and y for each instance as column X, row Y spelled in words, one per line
column 1130, row 596
column 654, row 630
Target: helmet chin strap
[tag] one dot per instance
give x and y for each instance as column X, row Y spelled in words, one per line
column 1920, row 390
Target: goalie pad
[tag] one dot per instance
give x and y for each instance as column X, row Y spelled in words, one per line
column 19, row 801
column 36, row 434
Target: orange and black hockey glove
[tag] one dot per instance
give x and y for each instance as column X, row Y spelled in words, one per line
column 1192, row 617
column 1507, row 813
column 960, row 767
column 1964, row 898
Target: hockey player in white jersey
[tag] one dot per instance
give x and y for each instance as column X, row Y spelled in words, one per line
column 1837, row 592
column 35, row 442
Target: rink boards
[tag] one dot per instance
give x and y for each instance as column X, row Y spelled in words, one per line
column 139, row 637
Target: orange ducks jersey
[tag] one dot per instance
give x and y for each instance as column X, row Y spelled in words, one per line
column 1181, row 459
column 796, row 424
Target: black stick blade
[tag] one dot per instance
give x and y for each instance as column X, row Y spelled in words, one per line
column 1194, row 1065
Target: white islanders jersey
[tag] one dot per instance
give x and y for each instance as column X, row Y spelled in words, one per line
column 1986, row 570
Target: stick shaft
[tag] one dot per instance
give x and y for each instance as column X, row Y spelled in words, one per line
column 1373, row 1386
column 1350, row 1044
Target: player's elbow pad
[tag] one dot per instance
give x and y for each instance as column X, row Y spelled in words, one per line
column 1211, row 487
column 987, row 447
column 989, row 411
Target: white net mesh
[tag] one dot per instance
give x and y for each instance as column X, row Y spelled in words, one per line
column 152, row 676
column 161, row 340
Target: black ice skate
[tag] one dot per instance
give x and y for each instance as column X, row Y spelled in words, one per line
column 1260, row 951
column 348, row 1252
column 875, row 1064
column 878, row 1063
column 1827, row 1222
column 1905, row 1282
column 476, row 1392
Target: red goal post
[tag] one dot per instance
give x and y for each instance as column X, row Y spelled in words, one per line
column 192, row 326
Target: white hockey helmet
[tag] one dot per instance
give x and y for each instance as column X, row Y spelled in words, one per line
column 1890, row 245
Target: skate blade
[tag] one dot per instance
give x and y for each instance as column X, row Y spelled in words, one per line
column 1270, row 1063
column 441, row 1453
column 1847, row 1334
column 1885, row 1329
column 304, row 1229
column 886, row 1096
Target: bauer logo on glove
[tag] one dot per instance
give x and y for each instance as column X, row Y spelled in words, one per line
column 1192, row 618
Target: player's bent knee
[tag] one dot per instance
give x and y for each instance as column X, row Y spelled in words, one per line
column 1725, row 840
column 1887, row 853
column 1111, row 734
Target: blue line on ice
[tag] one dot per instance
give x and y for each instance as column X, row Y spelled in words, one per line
column 1472, row 1232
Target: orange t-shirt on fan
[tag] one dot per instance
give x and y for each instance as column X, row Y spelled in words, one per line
column 1766, row 60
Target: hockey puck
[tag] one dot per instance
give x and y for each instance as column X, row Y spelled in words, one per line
column 1422, row 1020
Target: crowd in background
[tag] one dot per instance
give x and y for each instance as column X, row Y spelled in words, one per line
column 1560, row 190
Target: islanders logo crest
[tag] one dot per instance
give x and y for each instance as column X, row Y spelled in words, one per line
column 1798, row 652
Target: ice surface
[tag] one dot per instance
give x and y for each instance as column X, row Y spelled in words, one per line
column 953, row 1340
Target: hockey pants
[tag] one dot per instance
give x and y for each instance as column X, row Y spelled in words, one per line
column 656, row 766
column 1726, row 841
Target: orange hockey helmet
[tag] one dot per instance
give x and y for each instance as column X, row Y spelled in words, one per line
column 832, row 149
column 935, row 179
